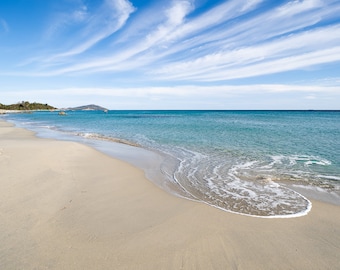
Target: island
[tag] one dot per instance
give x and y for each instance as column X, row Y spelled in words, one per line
column 90, row 107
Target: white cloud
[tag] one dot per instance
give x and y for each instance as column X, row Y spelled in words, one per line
column 298, row 6
column 250, row 4
column 95, row 26
column 161, row 36
column 279, row 65
column 213, row 17
column 289, row 53
column 265, row 26
column 62, row 20
column 4, row 25
column 174, row 16
column 226, row 42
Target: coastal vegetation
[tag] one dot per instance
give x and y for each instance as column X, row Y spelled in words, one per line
column 26, row 106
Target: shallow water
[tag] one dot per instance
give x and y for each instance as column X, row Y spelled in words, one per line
column 246, row 162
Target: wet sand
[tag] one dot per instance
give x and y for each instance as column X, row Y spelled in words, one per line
column 64, row 205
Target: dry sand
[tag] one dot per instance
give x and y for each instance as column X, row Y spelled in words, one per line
column 64, row 205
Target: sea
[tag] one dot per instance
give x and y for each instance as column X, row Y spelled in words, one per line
column 268, row 164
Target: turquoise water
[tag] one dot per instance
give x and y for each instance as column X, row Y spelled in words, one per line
column 248, row 162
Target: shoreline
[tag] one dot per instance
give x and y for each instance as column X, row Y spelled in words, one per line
column 149, row 161
column 310, row 183
column 65, row 205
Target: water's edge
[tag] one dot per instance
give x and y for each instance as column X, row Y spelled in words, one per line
column 151, row 163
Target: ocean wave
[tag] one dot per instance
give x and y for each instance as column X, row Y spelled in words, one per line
column 329, row 177
column 96, row 136
column 291, row 160
column 234, row 187
column 242, row 162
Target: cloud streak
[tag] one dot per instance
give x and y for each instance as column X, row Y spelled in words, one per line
column 287, row 53
column 4, row 25
column 173, row 17
column 91, row 28
column 235, row 39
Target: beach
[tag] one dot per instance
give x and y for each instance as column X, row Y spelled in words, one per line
column 65, row 205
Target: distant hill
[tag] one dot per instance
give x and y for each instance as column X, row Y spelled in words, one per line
column 26, row 106
column 90, row 107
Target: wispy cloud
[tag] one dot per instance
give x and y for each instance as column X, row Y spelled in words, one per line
column 93, row 26
column 232, row 40
column 287, row 53
column 63, row 20
column 229, row 46
column 174, row 28
column 109, row 18
column 213, row 17
column 4, row 25
column 173, row 17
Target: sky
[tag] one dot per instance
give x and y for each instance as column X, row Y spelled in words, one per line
column 171, row 54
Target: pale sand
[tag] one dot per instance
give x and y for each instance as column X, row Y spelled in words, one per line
column 64, row 205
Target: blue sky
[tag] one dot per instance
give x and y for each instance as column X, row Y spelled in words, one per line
column 181, row 54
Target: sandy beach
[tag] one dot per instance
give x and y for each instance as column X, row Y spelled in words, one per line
column 64, row 205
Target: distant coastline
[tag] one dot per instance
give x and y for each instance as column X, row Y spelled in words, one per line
column 27, row 107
